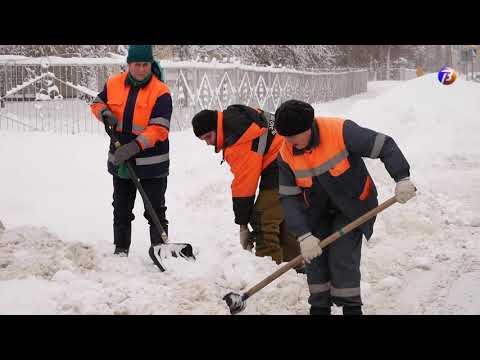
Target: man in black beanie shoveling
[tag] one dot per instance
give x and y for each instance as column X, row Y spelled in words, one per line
column 324, row 185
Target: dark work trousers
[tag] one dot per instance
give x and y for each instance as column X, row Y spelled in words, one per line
column 124, row 194
column 334, row 276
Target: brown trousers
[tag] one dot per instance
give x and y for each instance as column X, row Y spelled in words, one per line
column 269, row 229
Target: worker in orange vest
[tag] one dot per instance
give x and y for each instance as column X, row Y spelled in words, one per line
column 250, row 146
column 138, row 106
column 324, row 185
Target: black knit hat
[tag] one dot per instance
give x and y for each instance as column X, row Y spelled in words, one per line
column 204, row 121
column 140, row 53
column 293, row 117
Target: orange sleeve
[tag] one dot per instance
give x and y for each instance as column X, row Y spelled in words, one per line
column 246, row 167
column 149, row 137
column 99, row 103
column 96, row 108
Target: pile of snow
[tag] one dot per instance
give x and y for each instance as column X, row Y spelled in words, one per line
column 424, row 115
column 31, row 251
column 424, row 257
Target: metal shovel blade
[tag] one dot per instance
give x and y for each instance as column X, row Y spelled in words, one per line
column 160, row 252
column 236, row 302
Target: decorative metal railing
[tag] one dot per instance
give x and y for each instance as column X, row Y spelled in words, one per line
column 53, row 94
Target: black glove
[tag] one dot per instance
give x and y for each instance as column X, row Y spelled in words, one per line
column 125, row 152
column 107, row 115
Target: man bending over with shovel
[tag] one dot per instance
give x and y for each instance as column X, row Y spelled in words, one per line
column 324, row 185
column 250, row 146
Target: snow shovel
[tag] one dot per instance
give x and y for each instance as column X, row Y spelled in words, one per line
column 164, row 249
column 237, row 303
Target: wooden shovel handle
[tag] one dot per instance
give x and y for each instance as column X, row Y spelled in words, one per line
column 339, row 233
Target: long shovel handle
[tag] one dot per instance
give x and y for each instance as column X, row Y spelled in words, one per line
column 339, row 233
column 136, row 181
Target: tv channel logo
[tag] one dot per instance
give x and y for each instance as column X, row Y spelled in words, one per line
column 447, row 75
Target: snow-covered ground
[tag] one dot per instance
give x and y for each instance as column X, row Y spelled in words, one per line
column 424, row 258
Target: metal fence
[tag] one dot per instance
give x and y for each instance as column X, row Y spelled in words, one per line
column 53, row 94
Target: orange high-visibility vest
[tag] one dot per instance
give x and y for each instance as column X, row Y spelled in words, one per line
column 330, row 155
column 117, row 92
column 248, row 174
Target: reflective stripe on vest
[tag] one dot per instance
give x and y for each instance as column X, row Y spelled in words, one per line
column 346, row 292
column 143, row 140
column 150, row 160
column 330, row 155
column 136, row 129
column 289, row 190
column 160, row 121
column 322, row 168
column 319, row 288
column 262, row 143
column 377, row 146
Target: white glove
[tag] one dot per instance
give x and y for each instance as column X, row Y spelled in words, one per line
column 404, row 190
column 309, row 246
column 245, row 238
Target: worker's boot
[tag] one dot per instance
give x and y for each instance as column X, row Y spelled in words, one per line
column 316, row 310
column 122, row 237
column 352, row 310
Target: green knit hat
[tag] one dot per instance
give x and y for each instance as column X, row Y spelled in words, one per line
column 140, row 53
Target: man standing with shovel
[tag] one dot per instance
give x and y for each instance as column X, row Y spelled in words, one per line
column 136, row 107
column 324, row 184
